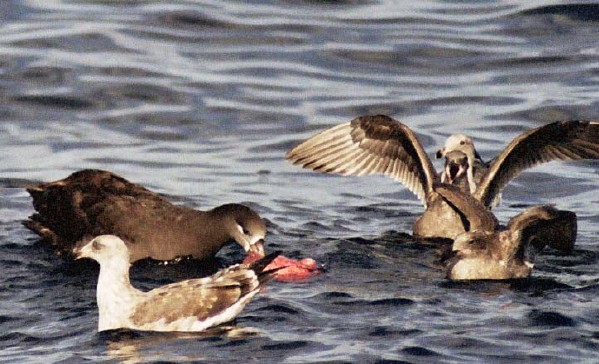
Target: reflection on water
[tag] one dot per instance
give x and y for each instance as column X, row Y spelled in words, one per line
column 200, row 101
column 131, row 347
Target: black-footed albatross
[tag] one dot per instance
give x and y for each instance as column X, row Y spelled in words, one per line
column 91, row 202
column 506, row 254
column 381, row 145
column 191, row 305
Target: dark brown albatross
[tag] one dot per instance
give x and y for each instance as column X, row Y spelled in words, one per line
column 90, row 202
column 381, row 145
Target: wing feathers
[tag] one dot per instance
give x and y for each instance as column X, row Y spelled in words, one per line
column 562, row 140
column 204, row 297
column 369, row 145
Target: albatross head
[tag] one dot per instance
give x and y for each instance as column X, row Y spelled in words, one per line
column 103, row 248
column 243, row 225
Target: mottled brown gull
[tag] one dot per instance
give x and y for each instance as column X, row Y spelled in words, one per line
column 191, row 305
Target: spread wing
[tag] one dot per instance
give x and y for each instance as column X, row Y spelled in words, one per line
column 562, row 140
column 369, row 145
column 197, row 298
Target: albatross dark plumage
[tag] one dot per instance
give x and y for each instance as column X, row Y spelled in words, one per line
column 93, row 202
column 381, row 145
column 191, row 305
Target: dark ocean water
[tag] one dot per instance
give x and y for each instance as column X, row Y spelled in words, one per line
column 200, row 100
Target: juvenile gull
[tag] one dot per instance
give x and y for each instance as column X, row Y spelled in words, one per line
column 507, row 254
column 92, row 202
column 381, row 145
column 191, row 305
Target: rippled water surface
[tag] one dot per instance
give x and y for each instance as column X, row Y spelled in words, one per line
column 200, row 100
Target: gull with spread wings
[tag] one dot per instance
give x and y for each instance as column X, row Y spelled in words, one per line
column 381, row 145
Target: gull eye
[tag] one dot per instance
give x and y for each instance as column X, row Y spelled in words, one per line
column 96, row 245
column 462, row 142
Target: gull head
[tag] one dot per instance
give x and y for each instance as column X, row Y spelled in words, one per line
column 459, row 142
column 472, row 243
column 103, row 248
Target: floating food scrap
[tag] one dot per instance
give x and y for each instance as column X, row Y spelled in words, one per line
column 289, row 269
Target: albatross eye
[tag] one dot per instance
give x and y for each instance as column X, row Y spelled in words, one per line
column 462, row 142
column 242, row 229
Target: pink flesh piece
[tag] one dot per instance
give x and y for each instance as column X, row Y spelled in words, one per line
column 290, row 269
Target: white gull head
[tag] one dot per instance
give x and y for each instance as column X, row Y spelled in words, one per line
column 462, row 143
column 104, row 249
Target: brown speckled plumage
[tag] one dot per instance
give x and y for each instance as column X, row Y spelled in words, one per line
column 191, row 305
column 503, row 254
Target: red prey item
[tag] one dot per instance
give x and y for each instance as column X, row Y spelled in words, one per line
column 289, row 269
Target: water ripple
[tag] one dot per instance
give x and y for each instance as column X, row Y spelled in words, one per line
column 201, row 100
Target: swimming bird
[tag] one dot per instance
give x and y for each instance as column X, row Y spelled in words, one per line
column 190, row 305
column 508, row 254
column 381, row 145
column 93, row 202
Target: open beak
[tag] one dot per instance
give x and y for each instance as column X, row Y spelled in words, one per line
column 453, row 171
